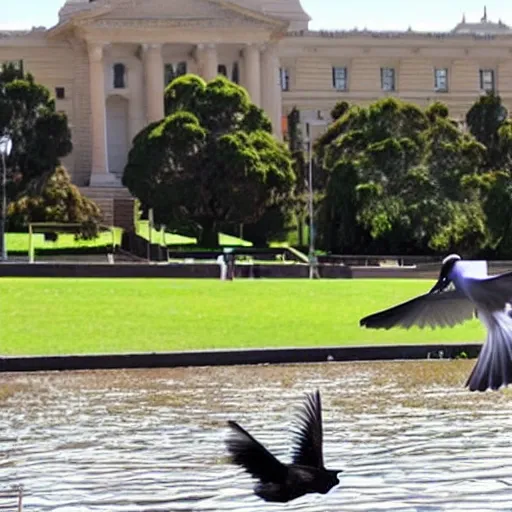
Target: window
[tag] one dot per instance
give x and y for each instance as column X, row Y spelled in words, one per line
column 172, row 71
column 222, row 70
column 339, row 78
column 181, row 68
column 487, row 80
column 119, row 76
column 387, row 79
column 60, row 93
column 284, row 79
column 441, row 79
column 235, row 73
column 168, row 73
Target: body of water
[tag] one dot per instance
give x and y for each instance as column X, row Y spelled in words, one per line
column 408, row 435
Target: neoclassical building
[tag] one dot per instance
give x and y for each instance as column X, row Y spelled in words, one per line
column 108, row 61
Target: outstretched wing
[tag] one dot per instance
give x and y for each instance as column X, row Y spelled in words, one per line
column 307, row 449
column 245, row 451
column 492, row 293
column 442, row 309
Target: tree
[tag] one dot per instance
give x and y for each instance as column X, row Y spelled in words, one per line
column 40, row 135
column 296, row 145
column 402, row 180
column 485, row 119
column 39, row 189
column 55, row 199
column 212, row 160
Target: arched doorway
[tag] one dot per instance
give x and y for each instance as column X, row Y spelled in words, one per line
column 117, row 134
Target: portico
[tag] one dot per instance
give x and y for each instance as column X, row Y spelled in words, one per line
column 134, row 50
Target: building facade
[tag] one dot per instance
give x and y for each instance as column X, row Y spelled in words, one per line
column 108, row 61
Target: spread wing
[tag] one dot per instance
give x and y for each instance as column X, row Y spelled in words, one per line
column 308, row 433
column 441, row 309
column 245, row 451
column 492, row 293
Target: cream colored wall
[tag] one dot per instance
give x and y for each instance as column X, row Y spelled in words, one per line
column 309, row 61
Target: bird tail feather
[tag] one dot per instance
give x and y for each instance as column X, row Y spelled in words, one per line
column 493, row 368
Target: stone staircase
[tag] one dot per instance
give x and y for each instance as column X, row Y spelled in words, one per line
column 115, row 203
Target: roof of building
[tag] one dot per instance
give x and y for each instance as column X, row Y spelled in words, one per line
column 483, row 27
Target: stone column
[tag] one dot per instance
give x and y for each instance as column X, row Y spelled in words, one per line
column 210, row 61
column 99, row 164
column 154, row 72
column 252, row 74
column 271, row 100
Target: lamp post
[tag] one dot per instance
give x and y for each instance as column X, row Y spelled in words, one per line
column 5, row 151
column 309, row 142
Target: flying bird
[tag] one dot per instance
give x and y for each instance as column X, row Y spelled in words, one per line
column 460, row 293
column 280, row 482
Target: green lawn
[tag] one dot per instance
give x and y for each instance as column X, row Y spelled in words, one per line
column 175, row 239
column 62, row 316
column 18, row 242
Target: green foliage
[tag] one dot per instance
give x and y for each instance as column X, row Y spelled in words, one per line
column 55, row 199
column 211, row 161
column 40, row 134
column 485, row 119
column 401, row 180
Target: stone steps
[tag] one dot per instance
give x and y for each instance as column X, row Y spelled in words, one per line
column 115, row 203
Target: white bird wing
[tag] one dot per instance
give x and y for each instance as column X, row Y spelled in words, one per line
column 492, row 293
column 443, row 309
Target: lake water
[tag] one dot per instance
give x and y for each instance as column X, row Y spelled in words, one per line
column 407, row 434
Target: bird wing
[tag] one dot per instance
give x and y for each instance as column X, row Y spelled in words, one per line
column 245, row 451
column 308, row 433
column 492, row 293
column 441, row 309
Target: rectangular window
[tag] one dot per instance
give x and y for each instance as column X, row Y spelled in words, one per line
column 222, row 69
column 284, row 79
column 60, row 93
column 487, row 82
column 387, row 79
column 340, row 78
column 441, row 79
column 235, row 73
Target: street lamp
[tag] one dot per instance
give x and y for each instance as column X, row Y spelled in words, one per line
column 5, row 151
column 311, row 256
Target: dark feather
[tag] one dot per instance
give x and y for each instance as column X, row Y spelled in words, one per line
column 443, row 309
column 308, row 433
column 253, row 456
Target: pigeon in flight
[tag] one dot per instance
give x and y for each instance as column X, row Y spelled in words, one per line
column 280, row 482
column 460, row 293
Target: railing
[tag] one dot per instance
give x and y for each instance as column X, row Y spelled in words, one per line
column 11, row 500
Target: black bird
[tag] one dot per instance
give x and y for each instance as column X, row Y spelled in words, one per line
column 284, row 482
column 462, row 291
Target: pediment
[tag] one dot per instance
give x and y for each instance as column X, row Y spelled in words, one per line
column 180, row 12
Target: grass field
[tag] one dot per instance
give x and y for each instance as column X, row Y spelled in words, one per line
column 18, row 242
column 64, row 316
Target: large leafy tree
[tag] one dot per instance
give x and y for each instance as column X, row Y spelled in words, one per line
column 401, row 181
column 40, row 135
column 487, row 120
column 212, row 160
column 38, row 188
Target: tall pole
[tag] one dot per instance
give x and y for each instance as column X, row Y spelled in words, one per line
column 3, row 248
column 310, row 197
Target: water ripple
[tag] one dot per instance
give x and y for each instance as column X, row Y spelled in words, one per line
column 407, row 434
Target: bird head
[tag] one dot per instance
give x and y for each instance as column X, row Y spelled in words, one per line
column 444, row 276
